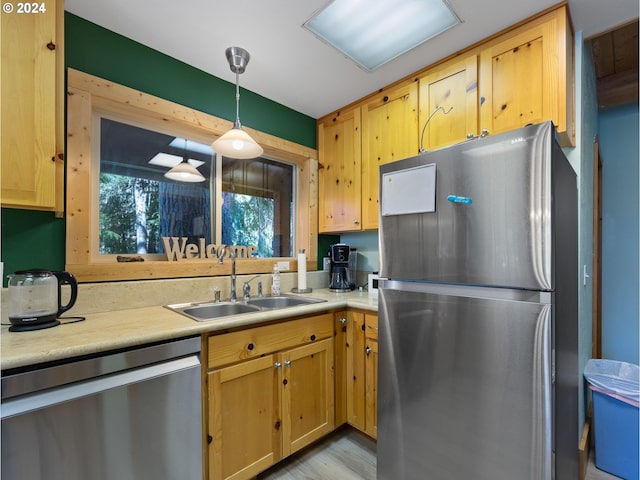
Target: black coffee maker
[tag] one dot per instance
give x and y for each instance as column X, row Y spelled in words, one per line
column 339, row 273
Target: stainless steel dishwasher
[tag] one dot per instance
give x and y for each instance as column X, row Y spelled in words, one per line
column 126, row 415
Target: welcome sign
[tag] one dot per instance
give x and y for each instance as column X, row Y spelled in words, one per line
column 178, row 249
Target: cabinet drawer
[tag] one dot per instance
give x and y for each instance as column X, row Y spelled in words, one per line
column 371, row 326
column 234, row 347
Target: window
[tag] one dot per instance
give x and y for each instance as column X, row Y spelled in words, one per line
column 270, row 202
column 139, row 205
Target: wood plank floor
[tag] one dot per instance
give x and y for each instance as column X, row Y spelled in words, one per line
column 343, row 455
column 347, row 455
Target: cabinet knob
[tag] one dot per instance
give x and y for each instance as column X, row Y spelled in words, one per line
column 51, row 46
column 277, row 365
column 343, row 320
column 356, row 222
column 368, row 350
column 287, row 363
column 312, row 337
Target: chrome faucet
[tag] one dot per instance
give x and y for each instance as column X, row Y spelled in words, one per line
column 233, row 296
column 246, row 289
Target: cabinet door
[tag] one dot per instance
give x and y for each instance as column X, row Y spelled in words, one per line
column 307, row 394
column 389, row 133
column 340, row 366
column 244, row 419
column 371, row 394
column 31, row 95
column 371, row 374
column 449, row 95
column 339, row 172
column 355, row 370
column 523, row 78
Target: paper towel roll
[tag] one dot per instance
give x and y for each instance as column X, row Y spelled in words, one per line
column 302, row 271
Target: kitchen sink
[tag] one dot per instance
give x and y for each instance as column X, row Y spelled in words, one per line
column 205, row 311
column 211, row 310
column 282, row 301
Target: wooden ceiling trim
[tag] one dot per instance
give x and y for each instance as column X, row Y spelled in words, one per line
column 615, row 57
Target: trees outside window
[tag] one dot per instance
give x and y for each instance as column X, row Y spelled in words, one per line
column 139, row 206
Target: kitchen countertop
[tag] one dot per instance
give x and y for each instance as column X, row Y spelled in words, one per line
column 104, row 331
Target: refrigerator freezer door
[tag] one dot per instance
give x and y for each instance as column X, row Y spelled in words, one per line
column 493, row 213
column 464, row 388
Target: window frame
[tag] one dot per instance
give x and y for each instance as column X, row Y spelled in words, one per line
column 86, row 95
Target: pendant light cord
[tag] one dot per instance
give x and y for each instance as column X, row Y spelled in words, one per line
column 237, row 122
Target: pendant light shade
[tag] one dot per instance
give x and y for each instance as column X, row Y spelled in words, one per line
column 237, row 143
column 185, row 172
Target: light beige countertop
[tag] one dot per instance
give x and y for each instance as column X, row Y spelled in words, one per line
column 113, row 329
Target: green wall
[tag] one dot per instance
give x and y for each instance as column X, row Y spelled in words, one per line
column 103, row 53
column 33, row 239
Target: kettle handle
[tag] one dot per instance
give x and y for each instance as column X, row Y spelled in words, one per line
column 66, row 278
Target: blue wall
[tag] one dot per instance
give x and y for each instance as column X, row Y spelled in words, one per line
column 581, row 158
column 618, row 129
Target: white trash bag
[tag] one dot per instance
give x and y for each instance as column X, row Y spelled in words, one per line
column 616, row 379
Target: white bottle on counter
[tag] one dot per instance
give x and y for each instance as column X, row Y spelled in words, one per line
column 275, row 281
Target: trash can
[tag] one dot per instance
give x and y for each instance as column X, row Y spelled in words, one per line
column 616, row 394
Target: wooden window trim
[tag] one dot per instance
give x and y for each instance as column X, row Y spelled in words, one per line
column 84, row 94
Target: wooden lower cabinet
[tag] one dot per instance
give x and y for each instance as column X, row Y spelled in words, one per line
column 359, row 386
column 371, row 375
column 244, row 419
column 307, row 381
column 276, row 399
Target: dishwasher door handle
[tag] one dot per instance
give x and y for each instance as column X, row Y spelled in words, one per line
column 35, row 401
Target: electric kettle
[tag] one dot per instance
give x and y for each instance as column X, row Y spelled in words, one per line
column 35, row 298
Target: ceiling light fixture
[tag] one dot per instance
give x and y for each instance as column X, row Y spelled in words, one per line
column 237, row 143
column 184, row 171
column 372, row 33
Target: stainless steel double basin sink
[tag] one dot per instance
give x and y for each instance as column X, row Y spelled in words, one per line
column 205, row 311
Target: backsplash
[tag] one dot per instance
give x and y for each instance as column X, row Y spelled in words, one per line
column 113, row 296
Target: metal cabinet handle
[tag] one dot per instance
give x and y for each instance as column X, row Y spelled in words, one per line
column 368, row 350
column 287, row 363
column 277, row 365
column 343, row 321
column 356, row 222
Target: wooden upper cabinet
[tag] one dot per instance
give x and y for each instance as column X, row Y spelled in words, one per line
column 32, row 97
column 518, row 77
column 389, row 133
column 339, row 151
column 526, row 77
column 449, row 94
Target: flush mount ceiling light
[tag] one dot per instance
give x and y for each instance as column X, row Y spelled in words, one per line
column 372, row 33
column 237, row 143
column 169, row 161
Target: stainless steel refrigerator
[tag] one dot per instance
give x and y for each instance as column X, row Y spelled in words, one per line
column 478, row 312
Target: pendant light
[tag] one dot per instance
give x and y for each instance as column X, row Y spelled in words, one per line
column 184, row 171
column 237, row 143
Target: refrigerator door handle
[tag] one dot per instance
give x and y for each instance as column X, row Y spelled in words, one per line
column 459, row 199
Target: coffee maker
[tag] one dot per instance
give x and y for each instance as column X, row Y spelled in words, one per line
column 341, row 273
